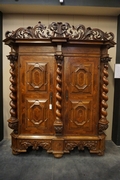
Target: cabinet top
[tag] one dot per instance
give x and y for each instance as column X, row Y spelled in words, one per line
column 59, row 32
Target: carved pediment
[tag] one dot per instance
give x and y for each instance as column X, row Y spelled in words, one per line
column 59, row 29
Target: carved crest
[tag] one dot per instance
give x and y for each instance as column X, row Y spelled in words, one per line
column 59, row 29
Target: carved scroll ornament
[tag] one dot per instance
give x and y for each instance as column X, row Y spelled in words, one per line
column 35, row 144
column 92, row 145
column 59, row 29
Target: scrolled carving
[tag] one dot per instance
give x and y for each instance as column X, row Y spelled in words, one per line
column 25, row 144
column 13, row 124
column 12, row 57
column 45, row 145
column 70, row 145
column 91, row 145
column 59, row 57
column 35, row 145
column 103, row 122
column 13, row 121
column 58, row 128
column 102, row 126
column 105, row 60
column 59, row 29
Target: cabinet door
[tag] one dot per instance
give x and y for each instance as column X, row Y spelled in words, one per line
column 81, row 95
column 35, row 94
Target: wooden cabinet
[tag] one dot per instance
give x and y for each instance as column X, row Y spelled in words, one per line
column 58, row 88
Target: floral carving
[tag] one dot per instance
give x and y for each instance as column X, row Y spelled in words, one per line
column 25, row 144
column 70, row 145
column 89, row 144
column 35, row 145
column 59, row 29
column 92, row 145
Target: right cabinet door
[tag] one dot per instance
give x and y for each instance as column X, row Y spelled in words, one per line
column 81, row 87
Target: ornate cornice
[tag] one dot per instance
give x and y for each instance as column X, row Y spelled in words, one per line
column 59, row 29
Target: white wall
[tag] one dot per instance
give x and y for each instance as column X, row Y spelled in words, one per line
column 14, row 21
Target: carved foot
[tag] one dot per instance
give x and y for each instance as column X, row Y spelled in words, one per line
column 14, row 152
column 58, row 155
column 101, row 153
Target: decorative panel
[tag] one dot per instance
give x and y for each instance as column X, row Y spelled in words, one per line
column 81, row 78
column 36, row 76
column 36, row 113
column 80, row 115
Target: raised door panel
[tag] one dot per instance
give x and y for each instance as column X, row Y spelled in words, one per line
column 36, row 86
column 80, row 115
column 81, row 95
column 81, row 78
column 37, row 113
column 36, row 76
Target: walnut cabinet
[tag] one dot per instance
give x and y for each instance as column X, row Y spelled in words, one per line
column 59, row 78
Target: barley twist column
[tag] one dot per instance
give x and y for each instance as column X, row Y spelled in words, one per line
column 103, row 122
column 13, row 121
column 58, row 124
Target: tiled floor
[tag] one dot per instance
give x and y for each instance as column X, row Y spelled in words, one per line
column 38, row 165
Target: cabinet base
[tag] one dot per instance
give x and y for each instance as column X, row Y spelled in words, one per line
column 58, row 145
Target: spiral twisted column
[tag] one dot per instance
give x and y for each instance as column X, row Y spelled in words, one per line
column 13, row 121
column 58, row 124
column 103, row 122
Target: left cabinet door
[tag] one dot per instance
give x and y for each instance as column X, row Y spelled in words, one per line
column 35, row 94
